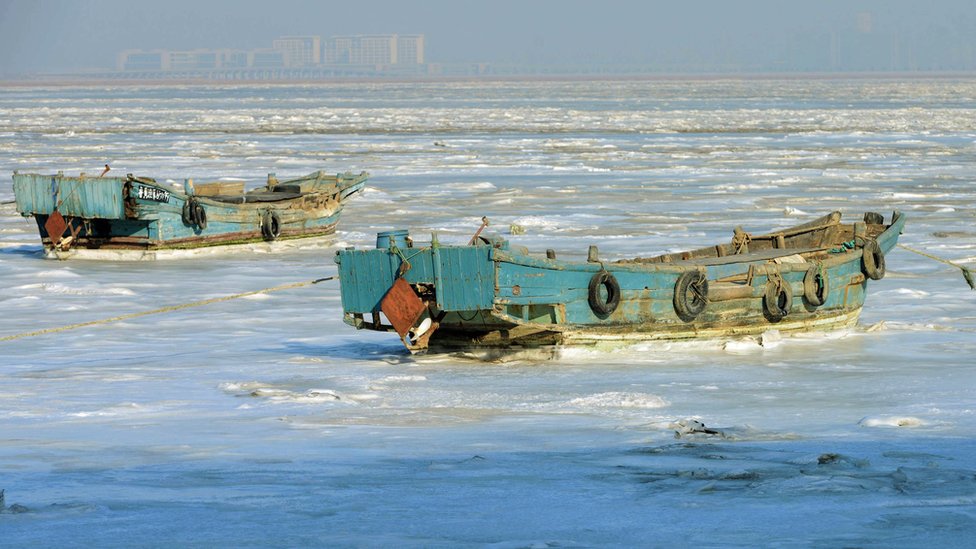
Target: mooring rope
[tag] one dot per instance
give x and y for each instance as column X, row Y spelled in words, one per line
column 165, row 309
column 966, row 272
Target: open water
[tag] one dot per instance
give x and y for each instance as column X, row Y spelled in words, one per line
column 266, row 421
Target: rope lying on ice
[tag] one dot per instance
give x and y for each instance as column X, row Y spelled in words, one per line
column 966, row 272
column 165, row 309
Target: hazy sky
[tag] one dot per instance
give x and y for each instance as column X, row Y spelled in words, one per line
column 60, row 35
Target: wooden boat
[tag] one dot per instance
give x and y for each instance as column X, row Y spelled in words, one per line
column 492, row 294
column 140, row 213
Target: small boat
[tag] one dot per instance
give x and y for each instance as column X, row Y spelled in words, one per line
column 490, row 293
column 95, row 213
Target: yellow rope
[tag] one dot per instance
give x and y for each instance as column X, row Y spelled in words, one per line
column 165, row 309
column 967, row 273
column 923, row 254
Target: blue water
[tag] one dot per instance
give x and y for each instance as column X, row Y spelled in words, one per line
column 265, row 421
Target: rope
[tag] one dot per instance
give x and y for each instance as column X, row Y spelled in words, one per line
column 939, row 259
column 740, row 240
column 164, row 309
column 696, row 286
column 966, row 272
column 844, row 246
column 776, row 277
column 404, row 264
column 74, row 190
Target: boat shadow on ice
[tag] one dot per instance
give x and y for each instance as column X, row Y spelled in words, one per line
column 26, row 250
column 351, row 350
column 630, row 352
column 397, row 354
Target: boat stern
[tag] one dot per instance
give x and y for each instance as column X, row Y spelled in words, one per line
column 408, row 289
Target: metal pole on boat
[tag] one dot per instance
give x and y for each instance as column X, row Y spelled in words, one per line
column 484, row 223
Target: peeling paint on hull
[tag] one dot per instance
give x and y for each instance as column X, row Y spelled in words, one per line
column 143, row 215
column 812, row 277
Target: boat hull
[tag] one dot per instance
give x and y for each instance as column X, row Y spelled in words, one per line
column 492, row 295
column 74, row 214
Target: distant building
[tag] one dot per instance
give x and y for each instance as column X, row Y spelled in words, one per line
column 231, row 59
column 193, row 60
column 266, row 59
column 290, row 57
column 138, row 60
column 410, row 49
column 362, row 50
column 375, row 49
column 338, row 50
column 300, row 51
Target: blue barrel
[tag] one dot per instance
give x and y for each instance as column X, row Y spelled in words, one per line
column 398, row 238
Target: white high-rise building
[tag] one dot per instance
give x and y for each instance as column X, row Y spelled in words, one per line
column 299, row 51
column 410, row 49
column 375, row 49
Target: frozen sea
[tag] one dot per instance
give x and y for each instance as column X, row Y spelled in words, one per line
column 266, row 421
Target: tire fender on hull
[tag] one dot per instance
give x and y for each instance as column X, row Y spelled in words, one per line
column 815, row 286
column 200, row 216
column 188, row 211
column 601, row 306
column 194, row 213
column 690, row 295
column 777, row 301
column 271, row 225
column 873, row 260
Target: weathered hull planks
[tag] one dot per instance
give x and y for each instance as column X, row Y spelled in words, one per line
column 324, row 227
column 134, row 213
column 810, row 277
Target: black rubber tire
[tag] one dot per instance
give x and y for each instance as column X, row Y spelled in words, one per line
column 777, row 301
column 271, row 226
column 600, row 307
column 815, row 286
column 690, row 295
column 873, row 260
column 200, row 216
column 188, row 211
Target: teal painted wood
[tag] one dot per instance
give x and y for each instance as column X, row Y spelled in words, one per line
column 73, row 196
column 374, row 272
column 140, row 213
column 498, row 296
column 466, row 282
column 467, row 277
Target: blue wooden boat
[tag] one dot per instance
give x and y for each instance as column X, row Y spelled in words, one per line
column 139, row 213
column 492, row 294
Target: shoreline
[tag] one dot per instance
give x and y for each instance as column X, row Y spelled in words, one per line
column 40, row 81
